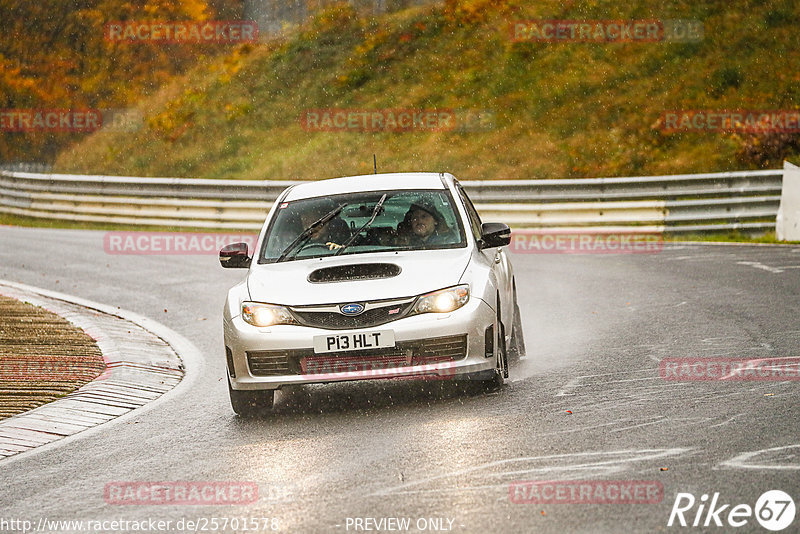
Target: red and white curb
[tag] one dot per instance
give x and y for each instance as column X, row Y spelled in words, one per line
column 145, row 360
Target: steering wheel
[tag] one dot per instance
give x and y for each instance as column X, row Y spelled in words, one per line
column 315, row 245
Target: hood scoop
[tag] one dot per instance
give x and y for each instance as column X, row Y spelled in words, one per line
column 357, row 271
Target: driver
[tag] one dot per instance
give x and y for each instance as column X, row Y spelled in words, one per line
column 333, row 233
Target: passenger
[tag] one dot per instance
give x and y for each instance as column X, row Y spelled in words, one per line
column 423, row 225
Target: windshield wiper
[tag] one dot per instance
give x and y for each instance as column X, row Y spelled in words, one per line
column 305, row 235
column 367, row 224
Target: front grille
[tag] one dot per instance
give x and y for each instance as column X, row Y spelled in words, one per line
column 438, row 349
column 302, row 361
column 269, row 362
column 334, row 320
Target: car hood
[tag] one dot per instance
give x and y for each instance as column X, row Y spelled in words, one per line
column 421, row 271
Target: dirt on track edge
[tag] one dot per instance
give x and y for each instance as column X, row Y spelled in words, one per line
column 43, row 357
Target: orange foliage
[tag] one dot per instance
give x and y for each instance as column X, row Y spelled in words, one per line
column 53, row 55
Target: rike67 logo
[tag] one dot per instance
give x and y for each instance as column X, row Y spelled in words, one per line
column 774, row 510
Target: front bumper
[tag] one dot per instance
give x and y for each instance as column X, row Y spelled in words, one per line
column 472, row 321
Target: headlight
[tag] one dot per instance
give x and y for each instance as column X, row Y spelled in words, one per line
column 258, row 314
column 442, row 301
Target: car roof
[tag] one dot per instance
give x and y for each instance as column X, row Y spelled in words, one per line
column 367, row 182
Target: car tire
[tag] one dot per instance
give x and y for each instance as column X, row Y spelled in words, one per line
column 251, row 403
column 516, row 350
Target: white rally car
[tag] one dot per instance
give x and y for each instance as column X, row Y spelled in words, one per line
column 376, row 276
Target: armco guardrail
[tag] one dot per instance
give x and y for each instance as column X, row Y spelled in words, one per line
column 26, row 166
column 745, row 200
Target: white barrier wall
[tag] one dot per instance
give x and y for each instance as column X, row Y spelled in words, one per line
column 788, row 221
column 712, row 202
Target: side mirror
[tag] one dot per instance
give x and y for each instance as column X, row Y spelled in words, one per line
column 234, row 256
column 495, row 235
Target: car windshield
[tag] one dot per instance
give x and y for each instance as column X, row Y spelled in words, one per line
column 407, row 220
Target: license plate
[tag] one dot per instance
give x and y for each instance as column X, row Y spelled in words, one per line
column 355, row 341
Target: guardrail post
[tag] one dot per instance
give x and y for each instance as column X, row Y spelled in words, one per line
column 788, row 221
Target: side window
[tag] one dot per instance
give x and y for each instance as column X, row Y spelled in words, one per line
column 472, row 213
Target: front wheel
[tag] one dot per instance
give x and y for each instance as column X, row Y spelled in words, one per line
column 250, row 403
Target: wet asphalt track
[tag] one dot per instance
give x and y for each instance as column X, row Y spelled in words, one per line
column 596, row 327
